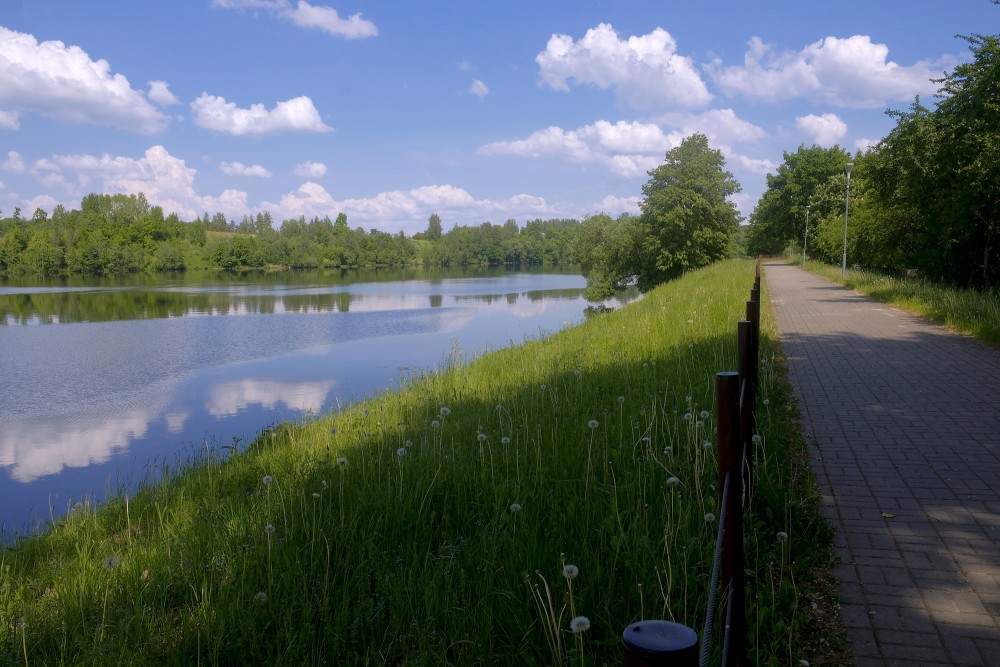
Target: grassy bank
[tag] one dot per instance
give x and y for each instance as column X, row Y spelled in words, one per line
column 467, row 519
column 968, row 311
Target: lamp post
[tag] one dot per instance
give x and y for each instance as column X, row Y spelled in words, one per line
column 805, row 238
column 847, row 206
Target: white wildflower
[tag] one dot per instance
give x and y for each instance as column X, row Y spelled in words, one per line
column 579, row 624
column 570, row 571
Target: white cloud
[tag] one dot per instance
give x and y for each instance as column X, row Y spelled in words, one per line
column 625, row 148
column 63, row 83
column 305, row 15
column 159, row 92
column 310, row 169
column 825, row 130
column 852, row 72
column 479, row 89
column 14, row 163
column 326, row 19
column 165, row 180
column 295, row 115
column 645, row 72
column 408, row 210
column 229, row 398
column 10, row 120
column 615, row 206
column 719, row 125
column 240, row 169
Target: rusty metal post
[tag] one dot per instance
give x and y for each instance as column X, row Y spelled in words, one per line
column 747, row 406
column 727, row 396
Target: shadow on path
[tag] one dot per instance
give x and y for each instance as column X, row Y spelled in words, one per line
column 903, row 421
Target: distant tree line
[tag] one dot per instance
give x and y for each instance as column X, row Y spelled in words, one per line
column 120, row 234
column 925, row 198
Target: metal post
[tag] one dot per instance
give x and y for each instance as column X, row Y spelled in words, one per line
column 727, row 388
column 659, row 644
column 847, row 206
column 747, row 405
column 805, row 238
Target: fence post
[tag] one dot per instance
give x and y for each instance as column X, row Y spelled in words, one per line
column 730, row 458
column 660, row 644
column 748, row 401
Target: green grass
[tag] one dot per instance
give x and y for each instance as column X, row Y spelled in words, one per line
column 431, row 526
column 973, row 312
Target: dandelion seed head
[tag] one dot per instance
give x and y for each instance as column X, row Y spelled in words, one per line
column 592, row 423
column 325, row 484
column 704, row 414
column 481, row 437
column 577, row 372
column 260, row 597
column 435, row 423
column 673, row 481
column 782, row 536
column 269, row 529
column 579, row 624
column 543, row 386
column 767, row 401
column 755, row 439
column 505, row 440
column 571, row 571
column 515, row 508
column 687, row 416
column 445, row 411
column 669, row 451
column 499, row 407
column 709, row 517
column 621, row 399
column 111, row 562
column 401, row 452
column 408, row 443
column 644, row 438
column 316, row 496
column 342, row 461
column 707, row 444
column 268, row 479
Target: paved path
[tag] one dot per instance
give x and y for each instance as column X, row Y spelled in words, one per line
column 903, row 422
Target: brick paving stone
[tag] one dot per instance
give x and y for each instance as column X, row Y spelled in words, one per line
column 901, row 418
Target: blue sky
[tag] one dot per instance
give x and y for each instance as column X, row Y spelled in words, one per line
column 476, row 111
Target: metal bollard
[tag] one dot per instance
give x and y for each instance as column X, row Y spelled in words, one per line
column 660, row 644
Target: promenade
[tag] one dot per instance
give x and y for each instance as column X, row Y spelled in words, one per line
column 902, row 418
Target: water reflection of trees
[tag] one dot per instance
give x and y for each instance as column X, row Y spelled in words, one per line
column 152, row 302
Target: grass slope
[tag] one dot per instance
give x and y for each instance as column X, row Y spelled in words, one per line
column 466, row 519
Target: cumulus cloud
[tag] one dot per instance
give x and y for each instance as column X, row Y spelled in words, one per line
column 408, row 210
column 62, row 82
column 626, row 149
column 719, row 125
column 165, row 180
column 10, row 120
column 479, row 89
column 645, row 72
column 825, row 130
column 326, row 19
column 852, row 72
column 159, row 92
column 240, row 169
column 14, row 163
column 295, row 115
column 305, row 15
column 310, row 169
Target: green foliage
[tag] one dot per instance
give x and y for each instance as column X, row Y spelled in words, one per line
column 935, row 178
column 780, row 214
column 413, row 528
column 606, row 251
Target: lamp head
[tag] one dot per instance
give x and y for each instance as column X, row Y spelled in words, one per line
column 847, row 168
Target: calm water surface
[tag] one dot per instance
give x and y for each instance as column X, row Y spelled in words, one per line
column 103, row 381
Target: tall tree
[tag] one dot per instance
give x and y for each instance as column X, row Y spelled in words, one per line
column 780, row 215
column 433, row 232
column 687, row 219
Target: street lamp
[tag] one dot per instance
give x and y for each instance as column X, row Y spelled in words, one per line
column 847, row 206
column 805, row 238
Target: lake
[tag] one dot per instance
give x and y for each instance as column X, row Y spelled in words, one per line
column 102, row 381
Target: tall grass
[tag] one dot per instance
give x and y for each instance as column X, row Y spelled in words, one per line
column 520, row 509
column 969, row 311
